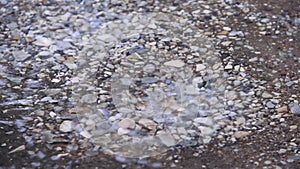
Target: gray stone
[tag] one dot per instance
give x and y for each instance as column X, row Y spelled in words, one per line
column 20, row 55
column 206, row 131
column 149, row 68
column 89, row 98
column 297, row 22
column 266, row 95
column 149, row 80
column 42, row 41
column 166, row 138
column 295, row 108
column 270, row 105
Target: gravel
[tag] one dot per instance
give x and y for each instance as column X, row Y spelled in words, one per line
column 154, row 84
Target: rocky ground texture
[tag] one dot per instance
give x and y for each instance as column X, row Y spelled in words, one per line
column 183, row 84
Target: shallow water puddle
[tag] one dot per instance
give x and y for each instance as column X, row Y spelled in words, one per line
column 147, row 83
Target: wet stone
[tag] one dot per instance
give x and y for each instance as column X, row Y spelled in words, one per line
column 166, row 138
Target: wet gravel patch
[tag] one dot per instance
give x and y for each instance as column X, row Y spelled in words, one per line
column 38, row 56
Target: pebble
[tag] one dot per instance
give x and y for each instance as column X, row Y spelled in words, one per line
column 20, row 55
column 282, row 109
column 267, row 95
column 20, row 148
column 66, row 126
column 175, row 63
column 297, row 22
column 241, row 134
column 43, row 42
column 200, row 67
column 270, row 105
column 295, row 108
column 148, row 124
column 166, row 138
column 127, row 123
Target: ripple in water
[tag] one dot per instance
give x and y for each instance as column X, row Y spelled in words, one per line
column 146, row 83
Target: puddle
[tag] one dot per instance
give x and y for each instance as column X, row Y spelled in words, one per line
column 146, row 83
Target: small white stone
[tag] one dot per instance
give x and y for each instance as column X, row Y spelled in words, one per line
column 122, row 131
column 52, row 114
column 200, row 67
column 204, row 120
column 206, row 131
column 85, row 134
column 42, row 41
column 227, row 28
column 226, row 43
column 166, row 138
column 228, row 67
column 175, row 63
column 66, row 126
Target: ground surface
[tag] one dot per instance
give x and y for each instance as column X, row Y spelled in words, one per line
column 273, row 141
